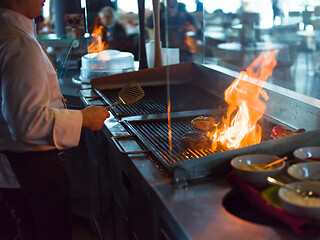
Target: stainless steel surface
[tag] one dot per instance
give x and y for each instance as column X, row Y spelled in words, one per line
column 290, row 108
column 286, row 106
column 200, row 211
column 197, row 211
column 187, row 83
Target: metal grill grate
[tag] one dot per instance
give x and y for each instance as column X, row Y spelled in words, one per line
column 184, row 97
column 154, row 134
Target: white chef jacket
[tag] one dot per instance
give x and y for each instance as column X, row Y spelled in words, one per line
column 32, row 113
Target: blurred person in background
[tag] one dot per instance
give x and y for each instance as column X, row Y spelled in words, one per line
column 180, row 22
column 277, row 12
column 199, row 6
column 113, row 33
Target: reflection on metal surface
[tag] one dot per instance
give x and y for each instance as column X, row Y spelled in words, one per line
column 196, row 90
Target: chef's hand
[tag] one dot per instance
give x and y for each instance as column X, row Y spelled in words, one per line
column 94, row 117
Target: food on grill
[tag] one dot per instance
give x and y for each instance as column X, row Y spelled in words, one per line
column 196, row 140
column 203, row 123
column 257, row 167
column 279, row 131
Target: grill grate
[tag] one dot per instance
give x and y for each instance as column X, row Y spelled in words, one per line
column 154, row 134
column 184, row 97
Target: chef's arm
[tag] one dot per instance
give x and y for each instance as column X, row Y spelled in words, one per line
column 94, row 117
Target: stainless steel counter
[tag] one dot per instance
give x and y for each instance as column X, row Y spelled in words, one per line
column 197, row 211
column 155, row 209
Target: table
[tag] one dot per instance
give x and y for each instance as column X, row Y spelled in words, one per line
column 309, row 41
column 241, row 56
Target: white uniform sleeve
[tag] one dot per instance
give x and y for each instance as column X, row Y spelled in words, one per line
column 27, row 96
column 66, row 130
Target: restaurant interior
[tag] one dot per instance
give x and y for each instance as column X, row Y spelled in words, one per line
column 217, row 38
column 129, row 185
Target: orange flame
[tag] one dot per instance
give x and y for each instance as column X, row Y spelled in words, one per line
column 97, row 45
column 192, row 45
column 239, row 127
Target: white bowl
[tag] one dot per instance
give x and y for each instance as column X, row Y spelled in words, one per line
column 305, row 171
column 256, row 177
column 298, row 205
column 307, row 152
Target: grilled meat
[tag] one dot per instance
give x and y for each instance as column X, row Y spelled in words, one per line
column 203, row 123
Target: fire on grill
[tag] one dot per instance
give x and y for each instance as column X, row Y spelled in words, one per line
column 196, row 91
column 240, row 128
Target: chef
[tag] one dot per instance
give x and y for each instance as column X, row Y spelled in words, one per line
column 35, row 127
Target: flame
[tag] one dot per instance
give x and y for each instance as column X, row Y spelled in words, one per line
column 192, row 45
column 97, row 45
column 169, row 129
column 239, row 127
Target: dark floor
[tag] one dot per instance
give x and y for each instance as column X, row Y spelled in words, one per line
column 81, row 233
column 82, row 230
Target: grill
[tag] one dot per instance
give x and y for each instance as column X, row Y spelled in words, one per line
column 155, row 100
column 195, row 90
column 154, row 134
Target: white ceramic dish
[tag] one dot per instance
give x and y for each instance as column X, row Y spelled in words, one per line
column 256, row 177
column 298, row 205
column 305, row 171
column 307, row 152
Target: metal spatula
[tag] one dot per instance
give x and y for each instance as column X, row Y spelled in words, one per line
column 130, row 93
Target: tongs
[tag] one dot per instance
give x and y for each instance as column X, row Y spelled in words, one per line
column 130, row 93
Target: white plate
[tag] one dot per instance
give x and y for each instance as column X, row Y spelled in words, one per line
column 307, row 152
column 305, row 171
column 298, row 205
